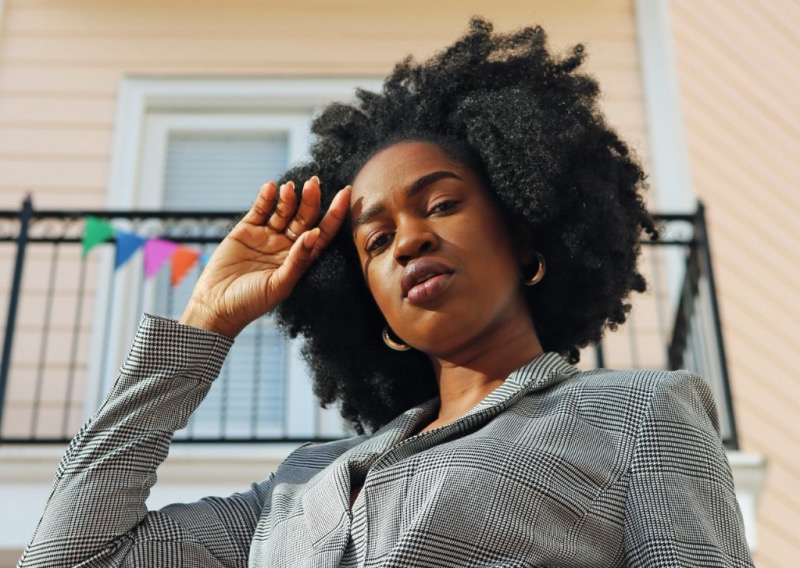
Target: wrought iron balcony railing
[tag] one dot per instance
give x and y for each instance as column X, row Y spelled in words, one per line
column 70, row 318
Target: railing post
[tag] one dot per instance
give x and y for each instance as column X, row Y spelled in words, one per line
column 13, row 301
column 599, row 356
column 705, row 261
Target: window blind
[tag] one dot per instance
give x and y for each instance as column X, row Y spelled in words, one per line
column 222, row 171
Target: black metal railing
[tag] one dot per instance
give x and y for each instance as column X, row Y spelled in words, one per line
column 697, row 342
column 70, row 318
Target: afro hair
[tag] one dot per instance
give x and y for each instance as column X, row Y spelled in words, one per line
column 528, row 122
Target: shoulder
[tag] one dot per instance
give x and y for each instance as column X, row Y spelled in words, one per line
column 626, row 400
column 675, row 395
column 667, row 404
column 679, row 394
column 659, row 418
column 652, row 387
column 645, row 380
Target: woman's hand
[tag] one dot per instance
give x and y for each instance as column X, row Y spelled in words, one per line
column 258, row 264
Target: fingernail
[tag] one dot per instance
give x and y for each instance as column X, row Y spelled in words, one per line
column 311, row 238
column 315, row 178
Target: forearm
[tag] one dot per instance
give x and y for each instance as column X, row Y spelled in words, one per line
column 106, row 474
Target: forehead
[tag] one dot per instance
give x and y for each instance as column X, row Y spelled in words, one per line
column 399, row 165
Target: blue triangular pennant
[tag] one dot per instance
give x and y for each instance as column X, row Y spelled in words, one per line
column 127, row 244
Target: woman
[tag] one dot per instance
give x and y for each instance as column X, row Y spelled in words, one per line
column 489, row 230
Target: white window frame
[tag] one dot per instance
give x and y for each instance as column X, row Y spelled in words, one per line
column 670, row 173
column 149, row 192
column 147, row 111
column 670, row 158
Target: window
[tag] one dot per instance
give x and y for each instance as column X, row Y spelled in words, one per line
column 208, row 146
column 210, row 164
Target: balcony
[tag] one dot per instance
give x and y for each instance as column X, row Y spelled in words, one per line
column 70, row 317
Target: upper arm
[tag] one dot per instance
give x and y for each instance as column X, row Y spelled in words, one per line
column 96, row 513
column 681, row 509
column 224, row 526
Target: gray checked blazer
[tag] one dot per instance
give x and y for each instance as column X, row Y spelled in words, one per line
column 556, row 467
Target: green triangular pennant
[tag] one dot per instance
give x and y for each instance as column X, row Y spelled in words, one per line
column 97, row 231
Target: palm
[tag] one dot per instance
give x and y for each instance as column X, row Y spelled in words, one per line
column 259, row 262
column 244, row 268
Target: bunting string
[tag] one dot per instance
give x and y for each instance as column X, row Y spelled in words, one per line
column 157, row 251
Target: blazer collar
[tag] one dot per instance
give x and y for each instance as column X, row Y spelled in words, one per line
column 542, row 372
column 325, row 514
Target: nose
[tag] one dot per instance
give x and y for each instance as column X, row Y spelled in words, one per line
column 412, row 239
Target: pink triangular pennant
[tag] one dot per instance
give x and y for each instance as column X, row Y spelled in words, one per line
column 156, row 253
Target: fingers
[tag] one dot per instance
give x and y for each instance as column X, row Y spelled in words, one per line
column 298, row 260
column 308, row 210
column 285, row 210
column 263, row 205
column 333, row 220
column 311, row 243
column 293, row 220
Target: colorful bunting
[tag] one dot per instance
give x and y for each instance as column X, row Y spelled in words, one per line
column 183, row 260
column 156, row 251
column 127, row 244
column 97, row 231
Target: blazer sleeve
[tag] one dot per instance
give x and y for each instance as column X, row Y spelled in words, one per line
column 681, row 509
column 96, row 513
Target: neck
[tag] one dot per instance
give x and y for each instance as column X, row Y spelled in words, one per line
column 465, row 377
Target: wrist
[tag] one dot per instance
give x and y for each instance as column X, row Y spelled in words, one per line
column 201, row 317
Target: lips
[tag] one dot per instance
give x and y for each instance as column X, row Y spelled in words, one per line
column 424, row 279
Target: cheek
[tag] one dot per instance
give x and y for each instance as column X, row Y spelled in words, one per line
column 378, row 280
column 496, row 272
column 490, row 248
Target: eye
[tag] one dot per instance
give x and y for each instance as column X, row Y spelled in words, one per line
column 377, row 242
column 443, row 206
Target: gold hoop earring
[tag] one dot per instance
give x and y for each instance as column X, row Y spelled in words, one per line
column 393, row 343
column 536, row 278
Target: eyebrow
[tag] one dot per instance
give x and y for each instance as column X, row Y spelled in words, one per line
column 410, row 191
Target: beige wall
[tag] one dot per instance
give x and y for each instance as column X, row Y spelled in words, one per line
column 739, row 70
column 60, row 62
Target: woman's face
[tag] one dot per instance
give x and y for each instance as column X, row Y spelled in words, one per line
column 434, row 250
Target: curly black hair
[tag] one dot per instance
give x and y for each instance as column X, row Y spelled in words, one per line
column 528, row 123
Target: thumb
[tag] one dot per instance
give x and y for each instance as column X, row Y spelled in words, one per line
column 300, row 258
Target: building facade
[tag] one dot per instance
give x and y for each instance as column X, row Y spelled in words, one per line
column 114, row 105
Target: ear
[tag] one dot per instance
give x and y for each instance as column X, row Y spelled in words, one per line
column 524, row 242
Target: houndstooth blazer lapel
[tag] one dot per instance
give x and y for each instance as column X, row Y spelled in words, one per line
column 326, row 501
